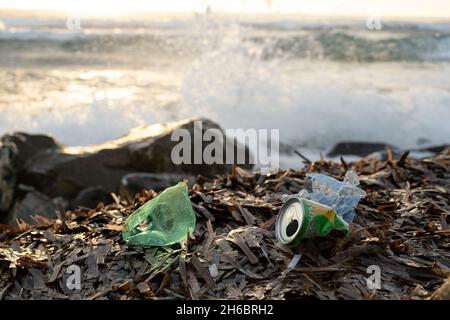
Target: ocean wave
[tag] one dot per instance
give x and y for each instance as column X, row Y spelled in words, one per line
column 51, row 36
column 355, row 24
column 326, row 44
column 185, row 22
column 312, row 109
column 292, row 80
column 344, row 46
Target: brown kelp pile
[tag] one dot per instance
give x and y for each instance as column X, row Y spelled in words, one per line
column 401, row 227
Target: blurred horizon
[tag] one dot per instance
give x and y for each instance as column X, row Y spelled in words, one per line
column 345, row 8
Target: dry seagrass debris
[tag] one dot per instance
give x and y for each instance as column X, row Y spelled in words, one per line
column 402, row 226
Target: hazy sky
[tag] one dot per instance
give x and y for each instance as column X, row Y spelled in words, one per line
column 430, row 8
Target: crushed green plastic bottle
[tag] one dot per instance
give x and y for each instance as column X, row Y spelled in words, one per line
column 162, row 221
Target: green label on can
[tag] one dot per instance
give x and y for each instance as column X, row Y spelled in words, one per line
column 320, row 220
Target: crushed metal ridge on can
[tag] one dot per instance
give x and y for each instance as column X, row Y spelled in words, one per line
column 300, row 219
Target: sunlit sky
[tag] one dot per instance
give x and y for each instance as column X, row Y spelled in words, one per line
column 399, row 8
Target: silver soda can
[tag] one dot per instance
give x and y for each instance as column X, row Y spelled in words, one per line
column 300, row 219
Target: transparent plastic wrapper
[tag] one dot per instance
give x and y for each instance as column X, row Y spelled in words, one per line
column 162, row 221
column 342, row 196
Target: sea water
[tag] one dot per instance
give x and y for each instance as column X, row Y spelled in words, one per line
column 319, row 80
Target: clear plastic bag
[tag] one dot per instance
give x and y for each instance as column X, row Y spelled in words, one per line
column 342, row 196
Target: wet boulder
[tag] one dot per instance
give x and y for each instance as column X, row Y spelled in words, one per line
column 84, row 176
column 91, row 197
column 8, row 176
column 68, row 170
column 132, row 183
column 360, row 149
column 35, row 203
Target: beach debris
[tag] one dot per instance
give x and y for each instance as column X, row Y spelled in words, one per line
column 342, row 196
column 401, row 226
column 163, row 220
column 300, row 219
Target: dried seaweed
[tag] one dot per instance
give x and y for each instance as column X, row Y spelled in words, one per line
column 402, row 226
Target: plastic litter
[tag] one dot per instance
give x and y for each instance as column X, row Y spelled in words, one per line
column 162, row 221
column 342, row 196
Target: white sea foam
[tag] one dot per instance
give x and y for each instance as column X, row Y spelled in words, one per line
column 315, row 103
column 318, row 104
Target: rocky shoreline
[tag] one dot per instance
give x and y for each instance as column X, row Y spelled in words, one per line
column 38, row 175
column 402, row 226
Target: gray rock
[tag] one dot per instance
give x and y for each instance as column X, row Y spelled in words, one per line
column 133, row 183
column 91, row 197
column 15, row 150
column 35, row 203
column 66, row 171
column 28, row 145
column 419, row 153
column 8, row 177
column 360, row 149
column 84, row 176
column 434, row 149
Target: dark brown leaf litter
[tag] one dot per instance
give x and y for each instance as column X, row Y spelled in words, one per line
column 402, row 226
